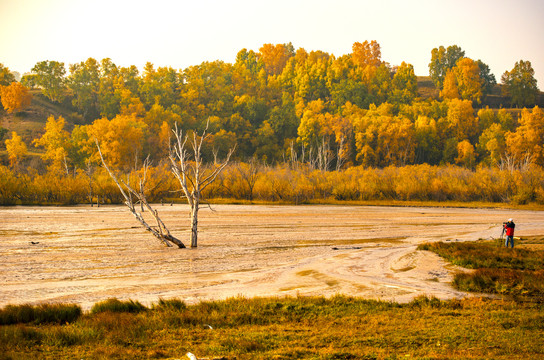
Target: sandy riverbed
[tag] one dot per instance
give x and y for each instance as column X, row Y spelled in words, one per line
column 84, row 255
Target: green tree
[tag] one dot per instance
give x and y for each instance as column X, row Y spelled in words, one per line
column 30, row 81
column 492, row 144
column 161, row 86
column 404, row 85
column 520, row 84
column 50, row 77
column 442, row 60
column 207, row 91
column 84, row 82
column 487, row 78
column 246, row 73
column 6, row 77
column 108, row 100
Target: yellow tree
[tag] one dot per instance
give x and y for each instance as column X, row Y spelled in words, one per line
column 16, row 149
column 465, row 154
column 120, row 139
column 461, row 120
column 15, row 97
column 450, row 89
column 395, row 141
column 527, row 142
column 367, row 54
column 469, row 82
column 310, row 128
column 275, row 57
column 56, row 142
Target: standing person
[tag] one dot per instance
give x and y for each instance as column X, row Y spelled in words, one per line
column 508, row 227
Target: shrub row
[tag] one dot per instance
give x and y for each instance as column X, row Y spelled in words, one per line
column 300, row 184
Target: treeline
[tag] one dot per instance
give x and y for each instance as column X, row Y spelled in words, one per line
column 293, row 183
column 277, row 103
column 355, row 114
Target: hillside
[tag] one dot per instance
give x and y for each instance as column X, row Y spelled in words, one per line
column 30, row 123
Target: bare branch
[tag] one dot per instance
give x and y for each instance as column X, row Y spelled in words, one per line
column 163, row 234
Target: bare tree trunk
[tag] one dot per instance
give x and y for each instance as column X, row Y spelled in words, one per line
column 194, row 224
column 193, row 178
column 161, row 232
column 89, row 170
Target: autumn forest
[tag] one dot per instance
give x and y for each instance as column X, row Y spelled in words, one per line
column 307, row 126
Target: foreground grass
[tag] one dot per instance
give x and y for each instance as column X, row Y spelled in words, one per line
column 287, row 328
column 517, row 272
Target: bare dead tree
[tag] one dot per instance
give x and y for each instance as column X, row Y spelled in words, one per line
column 324, row 157
column 511, row 163
column 160, row 231
column 249, row 174
column 89, row 171
column 341, row 153
column 293, row 159
column 192, row 175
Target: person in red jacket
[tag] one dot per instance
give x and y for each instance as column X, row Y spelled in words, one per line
column 508, row 228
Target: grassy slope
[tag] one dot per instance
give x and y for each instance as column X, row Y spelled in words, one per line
column 30, row 123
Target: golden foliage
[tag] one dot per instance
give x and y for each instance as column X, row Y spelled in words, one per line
column 274, row 57
column 15, row 97
column 450, row 89
column 120, row 139
column 367, row 54
column 56, row 142
column 16, row 149
column 528, row 139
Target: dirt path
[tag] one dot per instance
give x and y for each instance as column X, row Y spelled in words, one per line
column 85, row 255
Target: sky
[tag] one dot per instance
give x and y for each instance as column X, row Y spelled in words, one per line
column 180, row 33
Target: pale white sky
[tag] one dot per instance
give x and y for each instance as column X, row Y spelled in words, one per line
column 183, row 33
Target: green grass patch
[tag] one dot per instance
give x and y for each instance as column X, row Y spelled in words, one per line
column 475, row 255
column 41, row 314
column 115, row 305
column 340, row 327
column 517, row 272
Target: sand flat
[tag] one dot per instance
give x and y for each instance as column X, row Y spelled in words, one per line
column 87, row 254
